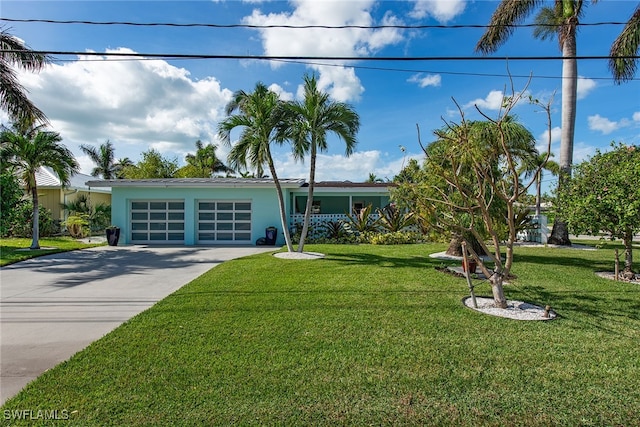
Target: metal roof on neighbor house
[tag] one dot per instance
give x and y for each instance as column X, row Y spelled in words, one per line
column 197, row 182
column 47, row 178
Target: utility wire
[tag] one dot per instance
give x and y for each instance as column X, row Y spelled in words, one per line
column 259, row 27
column 317, row 58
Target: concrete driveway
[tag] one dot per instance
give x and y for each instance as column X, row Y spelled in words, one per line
column 51, row 307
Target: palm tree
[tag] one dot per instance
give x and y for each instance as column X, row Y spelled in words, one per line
column 204, row 162
column 28, row 151
column 307, row 124
column 120, row 167
column 535, row 166
column 13, row 98
column 103, row 157
column 624, row 50
column 259, row 116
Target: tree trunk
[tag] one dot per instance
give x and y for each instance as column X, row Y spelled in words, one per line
column 307, row 211
column 498, row 291
column 35, row 233
column 455, row 245
column 628, row 254
column 538, row 190
column 283, row 214
column 560, row 232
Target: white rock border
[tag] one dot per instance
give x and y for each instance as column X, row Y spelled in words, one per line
column 299, row 255
column 517, row 310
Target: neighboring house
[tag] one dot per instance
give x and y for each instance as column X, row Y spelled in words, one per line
column 214, row 211
column 52, row 196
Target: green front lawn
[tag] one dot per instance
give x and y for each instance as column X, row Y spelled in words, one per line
column 371, row 335
column 13, row 250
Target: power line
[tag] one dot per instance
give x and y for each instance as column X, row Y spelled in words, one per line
column 282, row 26
column 169, row 56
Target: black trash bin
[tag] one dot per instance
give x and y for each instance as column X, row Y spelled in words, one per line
column 270, row 235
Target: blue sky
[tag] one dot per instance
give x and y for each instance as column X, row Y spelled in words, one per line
column 169, row 104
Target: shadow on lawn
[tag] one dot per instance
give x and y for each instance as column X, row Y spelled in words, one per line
column 415, row 261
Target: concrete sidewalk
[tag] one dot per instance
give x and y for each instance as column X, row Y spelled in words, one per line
column 51, row 307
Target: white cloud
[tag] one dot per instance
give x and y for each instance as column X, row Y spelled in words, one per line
column 128, row 103
column 424, row 81
column 282, row 94
column 349, row 42
column 602, row 124
column 585, row 86
column 636, row 116
column 441, row 10
column 493, row 101
column 336, row 167
column 543, row 139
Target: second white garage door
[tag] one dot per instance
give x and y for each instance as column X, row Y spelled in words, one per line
column 224, row 221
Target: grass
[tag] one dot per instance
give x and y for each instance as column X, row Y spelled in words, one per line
column 13, row 250
column 369, row 335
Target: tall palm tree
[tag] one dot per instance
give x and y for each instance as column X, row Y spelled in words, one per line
column 103, row 157
column 13, row 97
column 624, row 50
column 28, row 151
column 536, row 165
column 259, row 116
column 308, row 123
column 205, row 162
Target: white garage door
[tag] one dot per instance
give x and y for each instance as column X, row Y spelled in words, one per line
column 223, row 221
column 157, row 221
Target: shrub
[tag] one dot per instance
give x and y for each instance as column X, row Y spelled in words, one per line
column 396, row 238
column 11, row 198
column 77, row 226
column 24, row 228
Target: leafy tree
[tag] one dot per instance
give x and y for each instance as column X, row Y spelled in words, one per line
column 11, row 197
column 307, row 124
column 103, row 158
column 259, row 116
column 97, row 216
column 476, row 183
column 27, row 150
column 604, row 195
column 152, row 166
column 203, row 164
column 13, row 98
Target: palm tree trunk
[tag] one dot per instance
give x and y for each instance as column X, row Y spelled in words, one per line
column 283, row 214
column 35, row 233
column 560, row 232
column 538, row 196
column 307, row 211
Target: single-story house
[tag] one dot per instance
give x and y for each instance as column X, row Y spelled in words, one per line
column 210, row 211
column 52, row 196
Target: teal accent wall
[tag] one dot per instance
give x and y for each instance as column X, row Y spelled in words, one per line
column 264, row 205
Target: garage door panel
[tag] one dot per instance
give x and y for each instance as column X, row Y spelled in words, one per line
column 224, row 221
column 157, row 221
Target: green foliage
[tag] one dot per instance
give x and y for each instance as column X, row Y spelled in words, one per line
column 77, row 226
column 98, row 216
column 21, row 224
column 333, row 229
column 153, row 165
column 396, row 238
column 11, row 197
column 604, row 195
column 361, row 222
column 393, row 219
